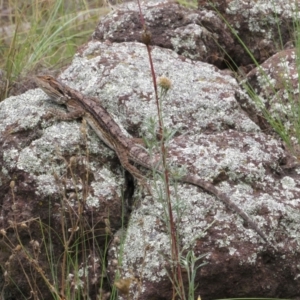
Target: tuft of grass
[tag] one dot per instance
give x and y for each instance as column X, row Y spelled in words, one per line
column 43, row 34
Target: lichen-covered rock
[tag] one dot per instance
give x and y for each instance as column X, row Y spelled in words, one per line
column 262, row 26
column 198, row 35
column 56, row 166
column 222, row 33
column 56, row 178
column 275, row 84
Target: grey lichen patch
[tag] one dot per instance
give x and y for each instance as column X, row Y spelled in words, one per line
column 46, row 185
column 92, row 201
column 105, row 188
column 193, row 207
column 65, row 135
column 22, row 112
column 186, row 39
column 44, row 156
column 269, row 9
column 252, row 259
column 10, row 157
column 62, row 137
column 288, row 182
column 29, row 162
column 142, row 234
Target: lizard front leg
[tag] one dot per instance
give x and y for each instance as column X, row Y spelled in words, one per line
column 66, row 116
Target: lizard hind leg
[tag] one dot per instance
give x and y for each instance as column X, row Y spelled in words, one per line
column 123, row 157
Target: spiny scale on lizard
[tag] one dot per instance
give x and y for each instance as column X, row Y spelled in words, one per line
column 126, row 149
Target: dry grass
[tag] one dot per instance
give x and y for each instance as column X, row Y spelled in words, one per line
column 38, row 35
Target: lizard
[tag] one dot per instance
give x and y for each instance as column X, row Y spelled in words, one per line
column 126, row 148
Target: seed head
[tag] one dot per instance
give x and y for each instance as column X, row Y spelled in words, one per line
column 164, row 83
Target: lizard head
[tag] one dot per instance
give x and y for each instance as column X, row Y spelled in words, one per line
column 52, row 87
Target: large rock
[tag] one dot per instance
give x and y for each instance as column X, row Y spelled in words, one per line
column 222, row 33
column 61, row 169
column 274, row 85
column 198, row 35
column 64, row 193
column 261, row 27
